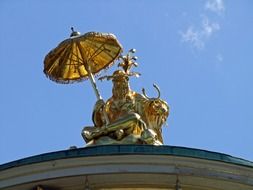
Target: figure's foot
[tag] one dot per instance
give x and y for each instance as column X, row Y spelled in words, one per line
column 119, row 134
column 90, row 133
column 87, row 136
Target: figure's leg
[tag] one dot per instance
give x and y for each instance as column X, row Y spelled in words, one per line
column 127, row 123
column 132, row 123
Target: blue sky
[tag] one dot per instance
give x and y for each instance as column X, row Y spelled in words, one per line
column 198, row 52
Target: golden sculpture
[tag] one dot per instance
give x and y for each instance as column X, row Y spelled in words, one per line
column 127, row 117
column 133, row 118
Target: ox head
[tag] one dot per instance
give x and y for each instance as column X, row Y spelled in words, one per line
column 157, row 105
column 156, row 108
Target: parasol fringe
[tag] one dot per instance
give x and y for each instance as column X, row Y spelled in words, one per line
column 65, row 81
column 71, row 81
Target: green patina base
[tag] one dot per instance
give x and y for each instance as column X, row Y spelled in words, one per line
column 129, row 150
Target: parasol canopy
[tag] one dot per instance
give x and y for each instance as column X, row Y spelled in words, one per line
column 80, row 56
column 68, row 62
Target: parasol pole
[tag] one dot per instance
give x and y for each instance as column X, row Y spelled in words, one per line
column 93, row 82
column 90, row 75
column 94, row 85
column 99, row 97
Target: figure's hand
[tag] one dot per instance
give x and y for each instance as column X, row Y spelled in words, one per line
column 99, row 104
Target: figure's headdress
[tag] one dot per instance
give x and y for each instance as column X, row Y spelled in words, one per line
column 127, row 62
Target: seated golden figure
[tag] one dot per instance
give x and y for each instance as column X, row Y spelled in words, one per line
column 127, row 117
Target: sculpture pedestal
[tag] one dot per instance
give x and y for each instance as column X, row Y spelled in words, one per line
column 128, row 167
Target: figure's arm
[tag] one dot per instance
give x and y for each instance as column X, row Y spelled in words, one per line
column 97, row 115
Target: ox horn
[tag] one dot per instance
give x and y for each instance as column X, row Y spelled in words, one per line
column 156, row 87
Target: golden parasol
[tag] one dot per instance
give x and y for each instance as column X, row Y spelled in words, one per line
column 81, row 56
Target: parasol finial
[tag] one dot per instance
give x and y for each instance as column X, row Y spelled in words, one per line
column 74, row 33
